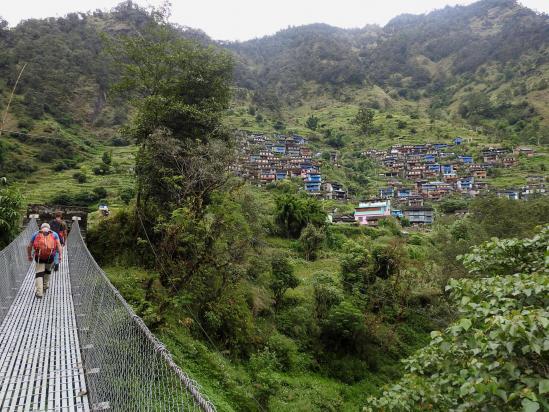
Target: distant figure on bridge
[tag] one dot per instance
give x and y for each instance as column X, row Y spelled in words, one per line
column 104, row 209
column 59, row 226
column 45, row 244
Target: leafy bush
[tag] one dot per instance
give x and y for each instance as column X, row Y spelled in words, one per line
column 311, row 241
column 127, row 194
column 495, row 356
column 285, row 351
column 120, row 141
column 299, row 323
column 262, row 365
column 100, row 192
column 327, row 294
column 80, row 199
column 80, row 177
column 355, row 267
column 312, row 122
column 65, row 164
column 283, row 277
column 344, row 328
column 508, row 256
column 450, row 205
column 294, row 212
column 10, row 206
column 348, row 368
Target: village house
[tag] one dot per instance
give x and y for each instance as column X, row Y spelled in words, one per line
column 508, row 161
column 293, row 150
column 480, row 185
column 305, row 152
column 279, row 148
column 397, row 213
column 386, row 192
column 465, row 183
column 369, row 213
column 435, row 189
column 341, row 219
column 415, row 201
column 526, row 151
column 493, row 155
column 313, row 182
column 466, row 159
column 404, row 193
column 421, row 215
column 479, row 173
column 512, row 194
column 266, row 159
column 267, row 175
column 333, row 191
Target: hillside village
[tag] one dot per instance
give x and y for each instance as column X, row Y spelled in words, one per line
column 415, row 175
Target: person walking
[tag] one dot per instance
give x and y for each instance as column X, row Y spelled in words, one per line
column 45, row 244
column 59, row 226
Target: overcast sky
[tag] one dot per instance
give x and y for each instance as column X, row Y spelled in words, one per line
column 246, row 19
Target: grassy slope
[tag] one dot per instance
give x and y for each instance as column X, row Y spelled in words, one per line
column 46, row 183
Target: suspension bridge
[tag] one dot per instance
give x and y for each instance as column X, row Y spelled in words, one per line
column 81, row 347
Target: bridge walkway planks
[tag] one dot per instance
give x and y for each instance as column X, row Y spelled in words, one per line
column 40, row 360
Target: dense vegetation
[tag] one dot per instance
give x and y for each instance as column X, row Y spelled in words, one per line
column 496, row 355
column 10, row 205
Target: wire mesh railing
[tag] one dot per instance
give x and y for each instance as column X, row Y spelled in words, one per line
column 14, row 265
column 127, row 368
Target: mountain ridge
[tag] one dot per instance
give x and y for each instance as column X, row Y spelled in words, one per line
column 483, row 65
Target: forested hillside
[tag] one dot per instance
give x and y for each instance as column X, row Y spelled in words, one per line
column 487, row 61
column 485, row 64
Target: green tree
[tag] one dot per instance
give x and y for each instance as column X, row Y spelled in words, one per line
column 294, row 212
column 311, row 240
column 107, row 158
column 476, row 105
column 495, row 356
column 364, row 119
column 127, row 194
column 80, row 177
column 312, row 122
column 182, row 89
column 327, row 294
column 279, row 125
column 344, row 328
column 282, row 277
column 356, row 265
column 336, row 140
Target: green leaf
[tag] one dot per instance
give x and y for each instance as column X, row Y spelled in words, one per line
column 529, row 406
column 465, row 323
column 502, row 394
column 543, row 386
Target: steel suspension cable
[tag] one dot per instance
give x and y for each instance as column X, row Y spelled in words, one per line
column 14, row 265
column 127, row 368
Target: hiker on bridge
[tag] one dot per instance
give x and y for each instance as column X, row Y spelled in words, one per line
column 59, row 226
column 45, row 245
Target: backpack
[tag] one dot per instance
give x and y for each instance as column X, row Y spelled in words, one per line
column 44, row 246
column 58, row 227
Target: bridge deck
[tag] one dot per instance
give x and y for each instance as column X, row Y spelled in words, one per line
column 40, row 360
